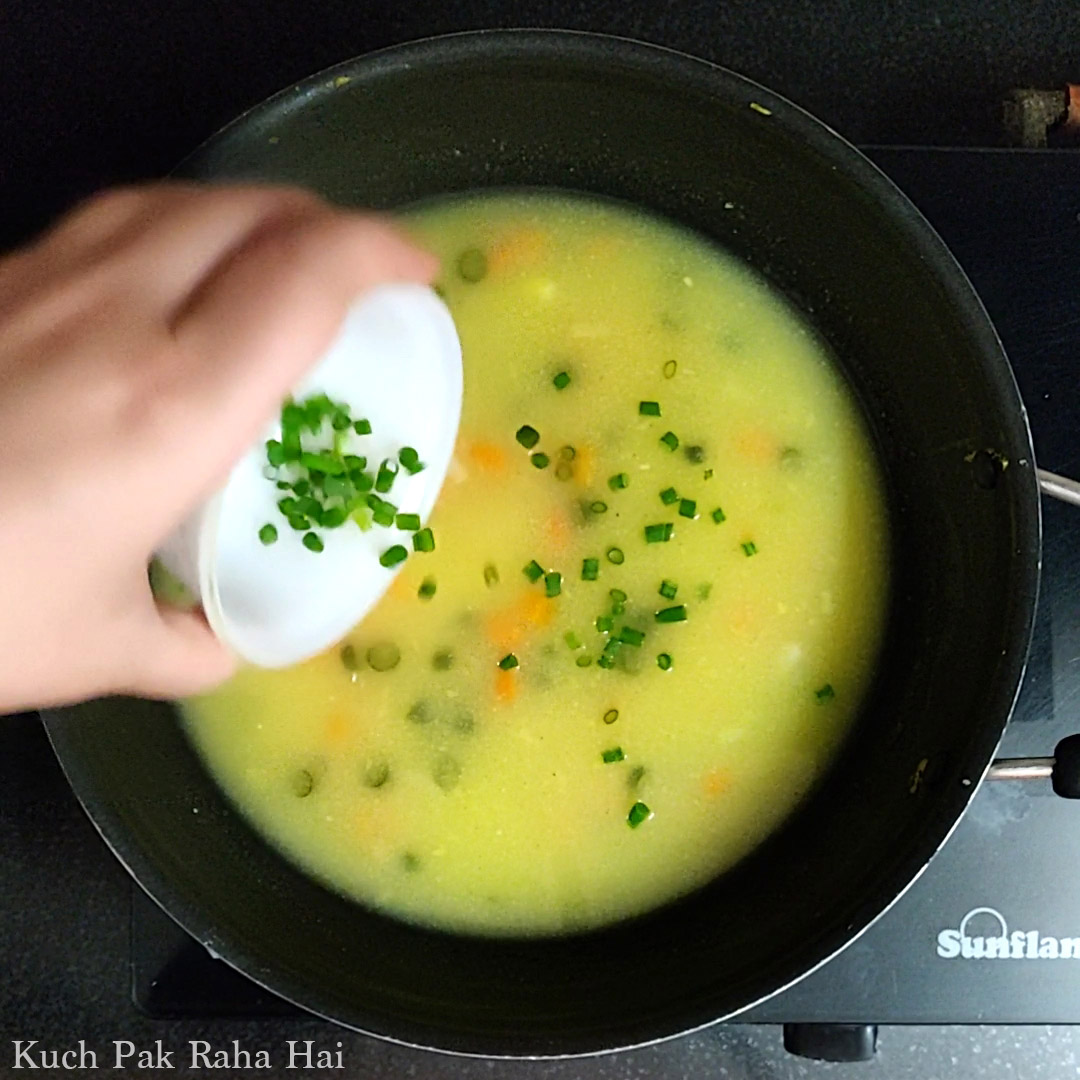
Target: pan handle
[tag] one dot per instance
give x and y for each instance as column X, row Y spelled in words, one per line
column 1059, row 487
column 1062, row 770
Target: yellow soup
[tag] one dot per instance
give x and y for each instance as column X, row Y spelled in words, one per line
column 701, row 493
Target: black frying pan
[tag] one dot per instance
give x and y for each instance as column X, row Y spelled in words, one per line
column 683, row 139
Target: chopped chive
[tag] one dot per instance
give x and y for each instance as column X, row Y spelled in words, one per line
column 340, row 421
column 749, row 548
column 491, row 575
column 606, row 661
column 672, row 614
column 572, row 640
column 598, row 507
column 629, row 636
column 663, row 661
column 670, row 440
column 564, row 471
column 301, row 487
column 618, row 596
column 312, row 542
column 383, row 514
column 534, row 571
column 562, row 380
column 704, row 590
column 283, row 485
column 668, row 589
column 288, row 505
column 583, row 661
column 611, row 716
column 275, row 452
column 605, row 624
column 410, row 460
column 527, row 436
column 615, row 555
column 334, row 517
column 308, row 505
column 393, row 555
column 472, row 265
column 408, row 522
column 687, row 508
column 540, row 460
column 659, row 534
column 618, row 608
column 427, row 588
column 825, row 693
column 553, row 583
column 670, row 368
column 355, row 461
column 322, row 462
column 648, row 408
column 609, row 757
column 387, row 474
column 423, row 540
column 718, row 515
column 567, row 453
column 694, row 454
column 708, row 474
column 669, row 496
column 292, row 418
column 362, row 427
column 349, row 660
column 337, row 487
column 590, row 569
column 508, row 662
column 268, row 534
column 639, row 812
column 299, row 522
column 362, row 481
column 618, row 481
column 612, row 646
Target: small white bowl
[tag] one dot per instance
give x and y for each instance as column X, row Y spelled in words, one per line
column 397, row 363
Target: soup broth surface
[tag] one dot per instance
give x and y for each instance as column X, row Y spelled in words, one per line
column 483, row 759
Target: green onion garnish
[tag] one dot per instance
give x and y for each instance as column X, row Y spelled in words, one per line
column 583, row 661
column 615, row 555
column 508, row 662
column 472, row 265
column 334, row 517
column 598, row 507
column 659, row 534
column 410, row 460
column 718, row 515
column 340, row 420
column 629, row 636
column 648, row 408
column 670, row 440
column 355, row 461
column 694, row 454
column 393, row 555
column 362, row 427
column 609, row 757
column 540, row 460
column 283, row 485
column 408, row 522
column 268, row 534
column 639, row 812
column 553, row 583
column 312, row 542
column 424, row 540
column 749, row 548
column 275, row 453
column 382, row 513
column 672, row 614
column 618, row 596
column 663, row 661
column 708, row 474
column 299, row 522
column 825, row 693
column 564, row 470
column 491, row 575
column 668, row 589
column 670, row 368
column 590, row 569
column 572, row 640
column 534, row 571
column 427, row 588
column 687, row 508
column 324, row 462
column 527, row 436
column 605, row 624
column 611, row 716
column 567, row 453
column 669, row 496
column 704, row 590
column 606, row 661
column 384, row 480
column 288, row 505
column 618, row 481
column 562, row 380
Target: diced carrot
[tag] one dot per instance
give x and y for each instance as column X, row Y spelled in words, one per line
column 517, row 249
column 558, row 529
column 584, row 464
column 743, row 618
column 506, row 685
column 537, row 608
column 716, row 781
column 488, row 456
column 758, row 445
column 337, row 727
column 508, row 627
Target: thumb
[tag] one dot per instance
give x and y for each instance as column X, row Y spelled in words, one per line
column 181, row 655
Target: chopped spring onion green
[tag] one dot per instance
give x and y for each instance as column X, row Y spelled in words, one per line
column 472, row 265
column 268, row 534
column 611, row 716
column 362, row 427
column 423, row 540
column 534, row 571
column 324, row 462
column 694, row 454
column 410, row 460
column 606, row 661
column 670, row 440
column 540, row 460
column 564, row 471
column 282, row 485
column 562, row 380
column 670, row 368
column 615, row 555
column 749, row 548
column 687, row 508
column 408, row 522
column 508, row 662
column 663, row 661
column 394, row 555
column 583, row 661
column 618, row 481
column 491, row 575
column 825, row 693
column 672, row 614
column 648, row 408
column 618, row 596
column 605, row 624
column 553, row 583
column 659, row 534
column 349, row 660
column 668, row 589
column 598, row 507
column 275, row 453
column 718, row 515
column 386, row 476
column 427, row 588
column 313, row 542
column 382, row 513
column 299, row 522
column 567, row 453
column 385, row 656
column 669, row 496
column 629, row 636
column 639, row 812
column 590, row 569
column 527, row 436
column 340, row 421
column 288, row 505
column 572, row 640
column 609, row 757
column 333, row 517
column 443, row 660
column 355, row 461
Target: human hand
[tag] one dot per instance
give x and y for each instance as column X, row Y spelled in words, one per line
column 144, row 341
